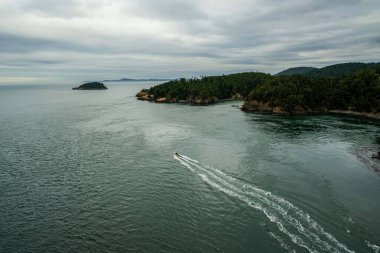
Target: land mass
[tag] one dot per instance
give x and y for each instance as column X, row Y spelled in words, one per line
column 348, row 88
column 91, row 86
column 136, row 80
column 336, row 70
column 205, row 90
column 355, row 94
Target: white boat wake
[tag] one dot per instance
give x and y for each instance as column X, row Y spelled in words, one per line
column 295, row 224
column 375, row 248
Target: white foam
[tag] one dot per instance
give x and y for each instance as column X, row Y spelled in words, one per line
column 280, row 211
column 281, row 241
column 375, row 248
column 297, row 240
column 183, row 163
column 189, row 159
column 293, row 222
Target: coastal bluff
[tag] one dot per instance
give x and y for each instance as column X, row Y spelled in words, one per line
column 144, row 95
column 91, row 86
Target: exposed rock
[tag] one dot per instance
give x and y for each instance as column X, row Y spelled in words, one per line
column 279, row 110
column 237, row 96
column 162, row 100
column 91, row 86
column 195, row 100
column 141, row 94
column 256, row 106
column 145, row 98
column 299, row 110
column 144, row 95
column 266, row 108
column 201, row 101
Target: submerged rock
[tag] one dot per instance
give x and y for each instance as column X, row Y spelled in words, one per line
column 91, row 86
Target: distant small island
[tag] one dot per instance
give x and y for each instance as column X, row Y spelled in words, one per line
column 91, row 86
column 137, row 80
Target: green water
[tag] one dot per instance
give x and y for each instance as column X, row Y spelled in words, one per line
column 93, row 171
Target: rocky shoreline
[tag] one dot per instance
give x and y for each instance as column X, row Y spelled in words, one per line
column 375, row 116
column 144, row 95
column 265, row 108
column 260, row 107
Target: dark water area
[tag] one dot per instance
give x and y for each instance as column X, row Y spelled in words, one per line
column 94, row 171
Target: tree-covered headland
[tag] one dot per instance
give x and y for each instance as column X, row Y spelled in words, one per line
column 205, row 90
column 296, row 94
column 350, row 86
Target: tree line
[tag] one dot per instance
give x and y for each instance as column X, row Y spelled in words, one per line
column 222, row 87
column 359, row 90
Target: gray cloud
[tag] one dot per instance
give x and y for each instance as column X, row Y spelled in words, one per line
column 62, row 9
column 180, row 10
column 170, row 38
column 24, row 44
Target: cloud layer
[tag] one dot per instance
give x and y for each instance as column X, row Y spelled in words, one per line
column 102, row 39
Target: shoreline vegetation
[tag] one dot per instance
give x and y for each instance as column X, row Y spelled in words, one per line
column 349, row 88
column 205, row 90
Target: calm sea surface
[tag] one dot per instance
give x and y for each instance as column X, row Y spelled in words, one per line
column 93, row 171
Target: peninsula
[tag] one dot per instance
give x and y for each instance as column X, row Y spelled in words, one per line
column 348, row 88
column 205, row 90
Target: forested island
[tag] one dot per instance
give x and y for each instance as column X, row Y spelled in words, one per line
column 343, row 88
column 91, row 86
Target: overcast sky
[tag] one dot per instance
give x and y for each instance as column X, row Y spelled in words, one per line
column 77, row 40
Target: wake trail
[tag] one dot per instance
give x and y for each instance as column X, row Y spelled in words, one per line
column 290, row 220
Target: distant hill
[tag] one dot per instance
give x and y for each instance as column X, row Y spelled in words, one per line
column 296, row 71
column 136, row 80
column 336, row 70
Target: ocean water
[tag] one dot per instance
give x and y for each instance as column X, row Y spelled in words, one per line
column 94, row 171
